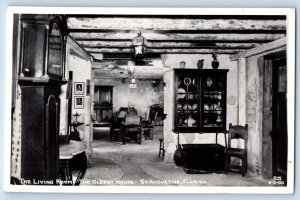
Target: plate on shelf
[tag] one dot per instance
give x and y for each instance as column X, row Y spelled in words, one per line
column 190, row 96
column 187, row 107
column 213, row 106
column 181, row 90
column 194, row 82
column 179, row 106
column 194, row 107
column 206, row 107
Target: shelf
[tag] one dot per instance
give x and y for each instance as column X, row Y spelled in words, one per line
column 185, row 101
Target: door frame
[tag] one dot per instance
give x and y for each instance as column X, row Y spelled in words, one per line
column 267, row 142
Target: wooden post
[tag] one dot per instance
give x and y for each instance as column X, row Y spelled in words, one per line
column 242, row 90
column 267, row 120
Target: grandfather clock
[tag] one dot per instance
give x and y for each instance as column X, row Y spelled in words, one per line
column 41, row 75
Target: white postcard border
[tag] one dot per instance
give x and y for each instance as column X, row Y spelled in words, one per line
column 289, row 12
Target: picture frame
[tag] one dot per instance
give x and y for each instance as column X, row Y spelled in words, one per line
column 79, row 88
column 79, row 102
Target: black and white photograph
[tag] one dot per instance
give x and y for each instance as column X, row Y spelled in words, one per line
column 78, row 88
column 79, row 102
column 178, row 100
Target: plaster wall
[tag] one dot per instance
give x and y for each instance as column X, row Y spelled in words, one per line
column 171, row 61
column 254, row 111
column 81, row 73
column 142, row 97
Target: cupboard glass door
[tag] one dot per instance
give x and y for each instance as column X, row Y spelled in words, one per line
column 213, row 102
column 187, row 102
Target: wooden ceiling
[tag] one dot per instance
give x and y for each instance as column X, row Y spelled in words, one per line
column 111, row 35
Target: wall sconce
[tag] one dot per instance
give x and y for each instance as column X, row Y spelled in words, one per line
column 139, row 44
column 182, row 65
column 132, row 84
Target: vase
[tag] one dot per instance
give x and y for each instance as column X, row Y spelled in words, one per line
column 219, row 108
column 200, row 64
column 178, row 157
column 215, row 64
column 220, row 96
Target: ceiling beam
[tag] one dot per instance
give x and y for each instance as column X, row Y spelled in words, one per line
column 83, row 30
column 150, row 74
column 126, row 44
column 173, row 51
column 252, row 37
column 275, row 45
column 123, row 23
column 176, row 16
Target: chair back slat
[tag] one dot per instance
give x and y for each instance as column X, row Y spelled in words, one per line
column 238, row 132
column 132, row 120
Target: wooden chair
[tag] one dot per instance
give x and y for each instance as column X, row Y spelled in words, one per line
column 132, row 129
column 237, row 132
column 161, row 148
column 115, row 128
column 148, row 125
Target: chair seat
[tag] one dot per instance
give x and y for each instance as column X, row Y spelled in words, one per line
column 133, row 130
column 101, row 124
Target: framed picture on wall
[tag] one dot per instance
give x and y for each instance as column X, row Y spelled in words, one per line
column 79, row 88
column 79, row 102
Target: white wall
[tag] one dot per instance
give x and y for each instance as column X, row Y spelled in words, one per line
column 81, row 73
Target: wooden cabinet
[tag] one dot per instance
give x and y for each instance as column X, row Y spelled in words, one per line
column 40, row 130
column 41, row 75
column 200, row 100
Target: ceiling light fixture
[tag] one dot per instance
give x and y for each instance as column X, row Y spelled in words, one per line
column 139, row 43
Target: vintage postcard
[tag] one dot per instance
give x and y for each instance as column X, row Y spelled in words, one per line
column 150, row 100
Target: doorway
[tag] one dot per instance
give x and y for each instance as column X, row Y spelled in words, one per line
column 279, row 118
column 275, row 133
column 103, row 106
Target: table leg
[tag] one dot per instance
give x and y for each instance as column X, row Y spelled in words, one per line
column 65, row 171
column 83, row 167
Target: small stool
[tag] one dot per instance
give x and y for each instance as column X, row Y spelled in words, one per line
column 161, row 148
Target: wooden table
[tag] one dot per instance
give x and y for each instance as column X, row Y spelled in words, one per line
column 72, row 157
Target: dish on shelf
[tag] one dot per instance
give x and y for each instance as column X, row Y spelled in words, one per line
column 194, row 82
column 187, row 81
column 187, row 107
column 209, row 82
column 180, row 91
column 179, row 106
column 219, row 119
column 206, row 107
column 190, row 121
column 190, row 96
column 213, row 107
column 194, row 107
